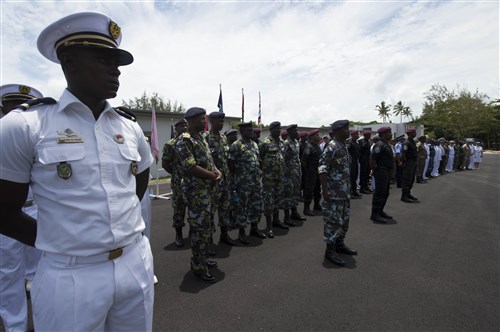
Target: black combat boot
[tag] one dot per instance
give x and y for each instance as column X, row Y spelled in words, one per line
column 317, row 206
column 287, row 220
column 254, row 231
column 269, row 227
column 376, row 217
column 405, row 198
column 413, row 198
column 242, row 236
column 307, row 210
column 385, row 215
column 343, row 249
column 296, row 216
column 179, row 241
column 277, row 222
column 332, row 256
column 224, row 236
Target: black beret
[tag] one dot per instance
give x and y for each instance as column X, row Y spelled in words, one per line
column 230, row 131
column 217, row 115
column 274, row 124
column 245, row 125
column 194, row 111
column 181, row 121
column 290, row 127
column 339, row 124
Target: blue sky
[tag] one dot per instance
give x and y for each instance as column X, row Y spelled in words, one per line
column 313, row 62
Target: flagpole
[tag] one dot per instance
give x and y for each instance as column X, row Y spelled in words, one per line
column 242, row 105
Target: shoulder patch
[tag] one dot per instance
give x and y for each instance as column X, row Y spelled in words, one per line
column 186, row 136
column 36, row 102
column 126, row 113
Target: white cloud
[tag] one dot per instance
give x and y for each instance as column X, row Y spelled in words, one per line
column 312, row 62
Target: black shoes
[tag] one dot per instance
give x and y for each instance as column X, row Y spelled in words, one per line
column 317, row 207
column 385, row 215
column 179, row 241
column 225, row 238
column 211, row 264
column 332, row 256
column 242, row 236
column 204, row 276
column 413, row 198
column 296, row 216
column 365, row 191
column 406, row 199
column 307, row 210
column 378, row 219
column 343, row 249
column 356, row 195
column 254, row 231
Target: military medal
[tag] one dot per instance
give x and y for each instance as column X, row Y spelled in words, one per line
column 119, row 138
column 69, row 136
column 134, row 168
column 64, row 170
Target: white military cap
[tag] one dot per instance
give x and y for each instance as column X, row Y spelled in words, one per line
column 18, row 92
column 86, row 29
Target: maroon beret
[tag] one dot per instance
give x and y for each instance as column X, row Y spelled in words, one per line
column 313, row 132
column 383, row 130
column 257, row 130
column 411, row 130
column 303, row 133
column 354, row 131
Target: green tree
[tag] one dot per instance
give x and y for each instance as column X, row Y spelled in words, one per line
column 407, row 112
column 383, row 110
column 398, row 110
column 160, row 104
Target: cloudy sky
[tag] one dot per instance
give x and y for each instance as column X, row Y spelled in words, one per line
column 313, row 61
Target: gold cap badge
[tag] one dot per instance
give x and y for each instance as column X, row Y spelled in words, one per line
column 24, row 89
column 114, row 30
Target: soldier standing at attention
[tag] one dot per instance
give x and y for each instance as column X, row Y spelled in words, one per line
column 334, row 172
column 293, row 177
column 273, row 172
column 354, row 148
column 409, row 159
column 381, row 163
column 18, row 261
column 231, row 135
column 88, row 167
column 398, row 147
column 246, row 182
column 171, row 163
column 199, row 176
column 421, row 158
column 221, row 195
column 310, row 161
column 364, row 162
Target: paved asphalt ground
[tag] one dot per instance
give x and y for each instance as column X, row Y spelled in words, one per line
column 435, row 268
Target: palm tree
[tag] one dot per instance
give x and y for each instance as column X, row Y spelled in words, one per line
column 407, row 112
column 383, row 110
column 398, row 109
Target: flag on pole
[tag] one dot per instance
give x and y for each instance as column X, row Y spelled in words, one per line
column 154, row 135
column 258, row 119
column 242, row 106
column 219, row 103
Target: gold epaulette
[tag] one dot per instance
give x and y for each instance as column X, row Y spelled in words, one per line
column 186, row 136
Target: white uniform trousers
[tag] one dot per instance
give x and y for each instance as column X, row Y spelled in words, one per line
column 17, row 263
column 146, row 213
column 87, row 294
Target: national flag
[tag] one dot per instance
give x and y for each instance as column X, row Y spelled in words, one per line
column 154, row 135
column 242, row 106
column 258, row 119
column 219, row 103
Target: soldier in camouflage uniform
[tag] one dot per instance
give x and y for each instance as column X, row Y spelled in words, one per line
column 246, row 182
column 334, row 173
column 221, row 195
column 273, row 173
column 199, row 176
column 171, row 163
column 293, row 176
column 310, row 161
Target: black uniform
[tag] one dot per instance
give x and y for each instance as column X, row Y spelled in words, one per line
column 310, row 160
column 354, row 150
column 364, row 163
column 409, row 156
column 384, row 157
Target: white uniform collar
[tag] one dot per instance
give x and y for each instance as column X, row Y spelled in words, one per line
column 68, row 99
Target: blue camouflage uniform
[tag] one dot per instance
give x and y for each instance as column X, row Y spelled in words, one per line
column 335, row 162
column 273, row 172
column 293, row 173
column 171, row 155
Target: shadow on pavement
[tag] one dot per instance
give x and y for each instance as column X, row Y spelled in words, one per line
column 191, row 284
column 173, row 247
column 350, row 263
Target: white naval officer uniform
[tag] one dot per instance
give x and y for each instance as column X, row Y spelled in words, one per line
column 88, row 208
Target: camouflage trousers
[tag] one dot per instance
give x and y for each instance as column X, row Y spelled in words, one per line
column 272, row 196
column 291, row 192
column 220, row 204
column 336, row 217
column 198, row 206
column 178, row 203
column 247, row 202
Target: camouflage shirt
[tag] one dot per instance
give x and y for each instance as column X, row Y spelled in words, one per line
column 291, row 151
column 219, row 150
column 193, row 150
column 271, row 158
column 246, row 163
column 335, row 162
column 171, row 155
